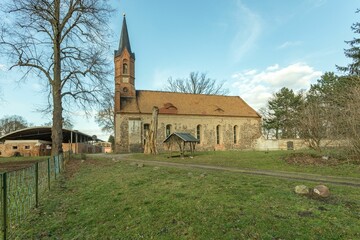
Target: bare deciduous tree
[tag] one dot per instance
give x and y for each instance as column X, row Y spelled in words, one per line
column 313, row 124
column 105, row 116
column 350, row 119
column 62, row 43
column 196, row 84
column 12, row 123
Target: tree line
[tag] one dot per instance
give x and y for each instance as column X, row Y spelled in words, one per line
column 329, row 110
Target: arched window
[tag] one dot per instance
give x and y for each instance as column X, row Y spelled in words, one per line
column 125, row 68
column 198, row 132
column 235, row 134
column 218, row 134
column 168, row 130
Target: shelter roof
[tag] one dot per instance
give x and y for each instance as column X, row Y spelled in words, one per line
column 186, row 137
column 187, row 104
column 44, row 133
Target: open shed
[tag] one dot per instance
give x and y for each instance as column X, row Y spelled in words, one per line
column 36, row 141
column 181, row 139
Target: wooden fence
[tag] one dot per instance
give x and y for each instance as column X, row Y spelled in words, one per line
column 21, row 191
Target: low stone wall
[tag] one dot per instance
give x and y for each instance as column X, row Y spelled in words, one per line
column 263, row 144
column 280, row 144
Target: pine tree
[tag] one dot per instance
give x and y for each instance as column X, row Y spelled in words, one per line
column 353, row 68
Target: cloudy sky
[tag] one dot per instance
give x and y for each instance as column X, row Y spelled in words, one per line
column 255, row 46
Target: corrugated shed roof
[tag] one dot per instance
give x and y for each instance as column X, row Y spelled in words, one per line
column 187, row 104
column 43, row 133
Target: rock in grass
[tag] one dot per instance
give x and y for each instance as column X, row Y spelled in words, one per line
column 302, row 189
column 140, row 165
column 203, row 175
column 321, row 191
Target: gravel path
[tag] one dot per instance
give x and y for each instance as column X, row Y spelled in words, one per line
column 347, row 181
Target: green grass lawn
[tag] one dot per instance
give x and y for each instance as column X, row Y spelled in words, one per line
column 273, row 160
column 21, row 159
column 118, row 200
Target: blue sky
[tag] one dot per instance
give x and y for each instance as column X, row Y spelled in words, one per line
column 255, row 46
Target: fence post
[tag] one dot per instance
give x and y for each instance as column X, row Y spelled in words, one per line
column 4, row 200
column 36, row 184
column 49, row 174
column 55, row 167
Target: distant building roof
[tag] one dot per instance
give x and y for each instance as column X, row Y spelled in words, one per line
column 186, row 137
column 187, row 104
column 44, row 133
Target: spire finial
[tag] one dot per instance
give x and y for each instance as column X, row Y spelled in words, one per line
column 124, row 14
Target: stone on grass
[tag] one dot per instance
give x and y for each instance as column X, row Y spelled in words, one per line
column 203, row 175
column 140, row 165
column 321, row 191
column 156, row 168
column 302, row 189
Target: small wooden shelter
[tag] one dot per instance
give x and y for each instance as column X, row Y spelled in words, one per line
column 181, row 139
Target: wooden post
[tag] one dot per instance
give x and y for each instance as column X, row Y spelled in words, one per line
column 49, row 174
column 36, row 184
column 4, row 204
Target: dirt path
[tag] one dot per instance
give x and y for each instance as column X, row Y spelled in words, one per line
column 347, row 181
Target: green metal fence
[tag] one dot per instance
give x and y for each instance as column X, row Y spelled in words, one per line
column 20, row 191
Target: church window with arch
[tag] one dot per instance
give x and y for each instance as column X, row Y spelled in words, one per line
column 235, row 134
column 125, row 68
column 218, row 134
column 198, row 132
column 167, row 130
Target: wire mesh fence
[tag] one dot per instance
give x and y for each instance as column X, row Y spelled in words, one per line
column 20, row 191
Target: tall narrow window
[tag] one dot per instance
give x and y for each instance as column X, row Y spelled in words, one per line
column 218, row 134
column 235, row 134
column 125, row 68
column 168, row 130
column 198, row 132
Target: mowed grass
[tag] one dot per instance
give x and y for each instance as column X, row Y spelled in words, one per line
column 259, row 160
column 118, row 200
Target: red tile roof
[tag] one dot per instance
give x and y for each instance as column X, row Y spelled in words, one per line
column 187, row 104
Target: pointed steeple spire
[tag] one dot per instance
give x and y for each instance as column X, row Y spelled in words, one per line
column 124, row 40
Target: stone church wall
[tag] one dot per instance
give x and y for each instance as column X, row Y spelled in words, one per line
column 130, row 133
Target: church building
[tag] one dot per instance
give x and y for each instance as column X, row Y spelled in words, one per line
column 218, row 122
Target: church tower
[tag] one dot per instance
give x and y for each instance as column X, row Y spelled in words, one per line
column 124, row 61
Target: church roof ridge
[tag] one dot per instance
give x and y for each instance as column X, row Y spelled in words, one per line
column 192, row 94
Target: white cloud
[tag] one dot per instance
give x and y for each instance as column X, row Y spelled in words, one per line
column 257, row 88
column 273, row 67
column 249, row 29
column 2, row 67
column 289, row 44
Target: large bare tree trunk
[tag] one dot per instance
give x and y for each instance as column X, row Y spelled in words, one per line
column 150, row 144
column 47, row 38
column 56, row 132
